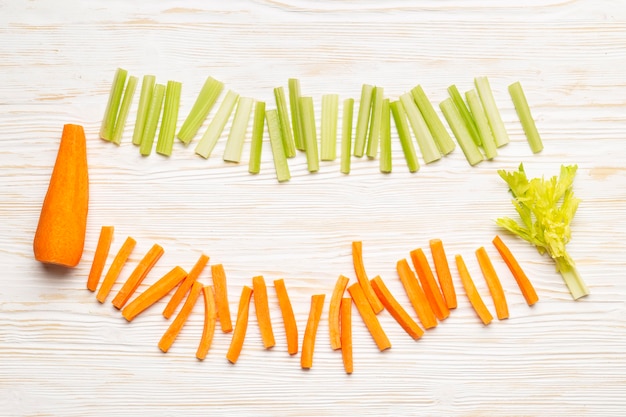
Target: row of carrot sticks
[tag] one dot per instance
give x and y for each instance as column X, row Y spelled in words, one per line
column 432, row 298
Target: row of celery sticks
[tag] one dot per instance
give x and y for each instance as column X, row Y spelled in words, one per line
column 475, row 122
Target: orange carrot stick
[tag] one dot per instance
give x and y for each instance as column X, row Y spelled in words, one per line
column 346, row 334
column 416, row 294
column 472, row 292
column 60, row 235
column 154, row 293
column 181, row 318
column 493, row 283
column 289, row 320
column 210, row 317
column 334, row 328
column 310, row 333
column 137, row 276
column 182, row 290
column 221, row 297
column 241, row 326
column 100, row 257
column 116, row 267
column 262, row 309
column 395, row 309
column 528, row 291
column 431, row 289
column 368, row 316
column 443, row 272
column 359, row 269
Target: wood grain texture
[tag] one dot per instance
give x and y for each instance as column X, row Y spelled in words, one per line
column 62, row 353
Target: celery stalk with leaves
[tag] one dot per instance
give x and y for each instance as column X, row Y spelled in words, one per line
column 546, row 209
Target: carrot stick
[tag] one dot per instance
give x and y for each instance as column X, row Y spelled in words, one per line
column 472, row 292
column 221, row 297
column 182, row 290
column 395, row 309
column 346, row 334
column 493, row 283
column 116, row 267
column 100, row 257
column 181, row 318
column 60, row 235
column 416, row 294
column 138, row 275
column 528, row 291
column 241, row 326
column 154, row 293
column 334, row 312
column 310, row 333
column 210, row 317
column 289, row 320
column 262, row 309
column 359, row 269
column 431, row 289
column 443, row 272
column 368, row 316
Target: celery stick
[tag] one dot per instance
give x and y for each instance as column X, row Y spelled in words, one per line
column 491, row 110
column 216, row 127
column 362, row 122
column 385, row 138
column 307, row 115
column 330, row 111
column 120, row 123
column 459, row 128
column 402, row 126
column 152, row 121
column 205, row 101
column 425, row 141
column 277, row 143
column 526, row 118
column 254, row 165
column 237, row 134
column 436, row 126
column 147, row 88
column 468, row 118
column 482, row 124
column 294, row 100
column 285, row 123
column 113, row 105
column 346, row 135
column 169, row 119
column 378, row 95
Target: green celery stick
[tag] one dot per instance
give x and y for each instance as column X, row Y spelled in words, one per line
column 285, row 123
column 526, row 118
column 378, row 95
column 491, row 110
column 120, row 123
column 465, row 114
column 402, row 126
column 216, row 127
column 425, row 141
column 294, row 100
column 307, row 114
column 482, row 124
column 362, row 122
column 169, row 119
column 436, row 126
column 330, row 111
column 385, row 138
column 346, row 135
column 205, row 101
column 152, row 121
column 258, row 124
column 459, row 128
column 147, row 88
column 237, row 134
column 277, row 143
column 113, row 105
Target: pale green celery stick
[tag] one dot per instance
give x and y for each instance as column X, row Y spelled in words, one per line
column 205, row 101
column 330, row 112
column 425, row 140
column 307, row 117
column 216, row 127
column 285, row 122
column 258, row 124
column 278, row 150
column 152, row 121
column 237, row 134
column 525, row 117
column 122, row 116
column 362, row 121
column 169, row 119
column 378, row 96
column 436, row 126
column 294, row 104
column 491, row 110
column 113, row 105
column 346, row 135
column 482, row 124
column 147, row 88
column 463, row 136
column 402, row 126
column 385, row 138
column 465, row 114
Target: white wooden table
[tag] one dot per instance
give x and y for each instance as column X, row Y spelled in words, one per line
column 62, row 353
